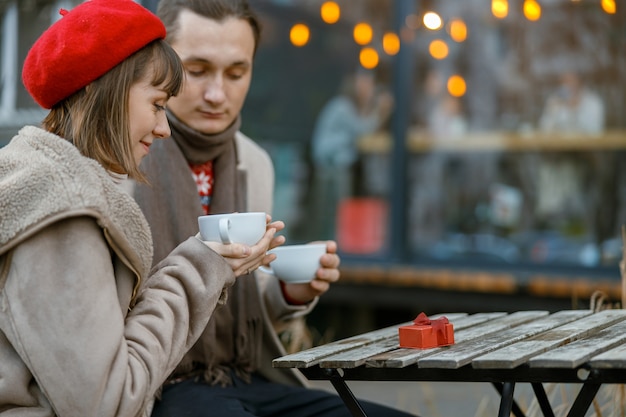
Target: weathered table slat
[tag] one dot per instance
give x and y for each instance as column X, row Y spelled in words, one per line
column 357, row 356
column 404, row 357
column 614, row 358
column 311, row 357
column 580, row 351
column 513, row 355
column 461, row 354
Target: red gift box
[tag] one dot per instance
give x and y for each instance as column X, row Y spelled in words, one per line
column 425, row 333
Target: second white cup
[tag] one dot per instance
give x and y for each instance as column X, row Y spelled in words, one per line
column 247, row 228
column 296, row 263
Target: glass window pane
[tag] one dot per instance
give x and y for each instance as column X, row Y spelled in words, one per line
column 513, row 139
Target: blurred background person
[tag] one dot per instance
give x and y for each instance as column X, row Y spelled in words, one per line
column 447, row 120
column 439, row 113
column 561, row 181
column 358, row 109
column 573, row 107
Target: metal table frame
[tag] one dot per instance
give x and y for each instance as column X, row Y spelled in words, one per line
column 503, row 380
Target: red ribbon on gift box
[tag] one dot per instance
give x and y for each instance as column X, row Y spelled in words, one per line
column 439, row 325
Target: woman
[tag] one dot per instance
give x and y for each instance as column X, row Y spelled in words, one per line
column 85, row 329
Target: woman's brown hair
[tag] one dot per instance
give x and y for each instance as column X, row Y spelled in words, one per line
column 96, row 118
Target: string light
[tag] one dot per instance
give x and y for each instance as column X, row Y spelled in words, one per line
column 456, row 86
column 438, row 49
column 330, row 12
column 368, row 57
column 609, row 6
column 391, row 43
column 432, row 21
column 458, row 30
column 299, row 34
column 532, row 10
column 500, row 8
column 363, row 33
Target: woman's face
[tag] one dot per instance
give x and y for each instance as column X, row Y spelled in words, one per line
column 148, row 122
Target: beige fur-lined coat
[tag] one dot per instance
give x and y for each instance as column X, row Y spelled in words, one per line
column 85, row 329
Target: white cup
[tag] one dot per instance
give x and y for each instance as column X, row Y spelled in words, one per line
column 296, row 263
column 246, row 228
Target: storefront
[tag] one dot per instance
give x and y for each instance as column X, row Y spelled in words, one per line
column 498, row 171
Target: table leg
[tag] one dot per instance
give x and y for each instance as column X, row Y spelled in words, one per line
column 507, row 403
column 542, row 399
column 583, row 400
column 346, row 394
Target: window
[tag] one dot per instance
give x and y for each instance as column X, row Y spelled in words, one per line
column 509, row 119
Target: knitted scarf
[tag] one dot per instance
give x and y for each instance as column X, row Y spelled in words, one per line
column 232, row 339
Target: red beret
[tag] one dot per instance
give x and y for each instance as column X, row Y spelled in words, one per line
column 84, row 44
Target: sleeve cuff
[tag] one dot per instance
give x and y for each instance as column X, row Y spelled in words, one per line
column 286, row 296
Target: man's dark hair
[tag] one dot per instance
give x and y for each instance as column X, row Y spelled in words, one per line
column 168, row 11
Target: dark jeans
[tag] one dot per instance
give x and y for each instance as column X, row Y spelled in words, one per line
column 261, row 398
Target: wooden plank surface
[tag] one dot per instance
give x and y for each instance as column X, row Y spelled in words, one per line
column 495, row 323
column 517, row 353
column 461, row 354
column 358, row 355
column 311, row 357
column 580, row 351
column 613, row 358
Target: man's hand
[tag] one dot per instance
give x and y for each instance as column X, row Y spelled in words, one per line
column 327, row 273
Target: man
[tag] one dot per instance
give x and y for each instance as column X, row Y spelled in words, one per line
column 574, row 107
column 210, row 167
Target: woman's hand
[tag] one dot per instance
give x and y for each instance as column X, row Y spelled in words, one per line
column 278, row 226
column 243, row 259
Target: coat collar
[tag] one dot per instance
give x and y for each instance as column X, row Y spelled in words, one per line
column 44, row 179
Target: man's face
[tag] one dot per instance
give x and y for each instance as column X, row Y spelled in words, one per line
column 218, row 61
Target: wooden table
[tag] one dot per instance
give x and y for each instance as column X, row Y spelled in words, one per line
column 536, row 347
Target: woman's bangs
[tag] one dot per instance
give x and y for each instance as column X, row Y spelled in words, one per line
column 168, row 69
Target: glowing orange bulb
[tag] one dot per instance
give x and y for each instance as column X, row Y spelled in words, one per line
column 456, row 86
column 299, row 34
column 330, row 12
column 532, row 10
column 368, row 57
column 500, row 8
column 391, row 43
column 438, row 49
column 363, row 33
column 458, row 30
column 609, row 6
